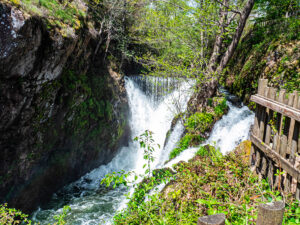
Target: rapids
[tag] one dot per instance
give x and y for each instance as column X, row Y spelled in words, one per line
column 153, row 103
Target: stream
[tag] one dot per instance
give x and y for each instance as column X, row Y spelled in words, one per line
column 153, row 103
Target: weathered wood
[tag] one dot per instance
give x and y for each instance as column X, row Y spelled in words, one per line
column 279, row 132
column 264, row 166
column 272, row 93
column 270, row 213
column 277, row 106
column 217, row 219
column 266, row 92
column 256, row 119
column 262, row 122
column 271, row 173
column 291, row 147
column 277, row 182
column 257, row 159
column 252, row 156
column 287, row 183
column 283, row 146
column 279, row 148
column 262, row 84
column 282, row 162
column 281, row 96
column 293, row 132
column 268, row 129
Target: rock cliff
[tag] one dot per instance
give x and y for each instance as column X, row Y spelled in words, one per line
column 63, row 110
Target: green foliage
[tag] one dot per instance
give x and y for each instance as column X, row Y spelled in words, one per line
column 208, row 184
column 150, row 178
column 271, row 50
column 117, row 178
column 183, row 145
column 179, row 36
column 146, row 142
column 199, row 121
column 60, row 219
column 221, row 108
column 202, row 151
column 61, row 13
column 274, row 9
column 12, row 216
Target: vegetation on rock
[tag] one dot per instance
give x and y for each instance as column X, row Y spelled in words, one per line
column 209, row 183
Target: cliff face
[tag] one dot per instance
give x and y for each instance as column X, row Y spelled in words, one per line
column 270, row 52
column 61, row 113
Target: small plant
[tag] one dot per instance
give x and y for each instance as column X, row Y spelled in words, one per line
column 202, row 151
column 12, row 216
column 199, row 121
column 220, row 109
column 146, row 142
column 60, row 219
column 183, row 145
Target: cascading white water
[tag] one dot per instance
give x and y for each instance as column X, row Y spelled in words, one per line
column 150, row 110
column 153, row 103
column 232, row 129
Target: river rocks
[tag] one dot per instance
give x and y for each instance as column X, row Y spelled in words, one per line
column 61, row 113
column 236, row 101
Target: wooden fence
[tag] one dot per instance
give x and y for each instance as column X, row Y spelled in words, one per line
column 275, row 151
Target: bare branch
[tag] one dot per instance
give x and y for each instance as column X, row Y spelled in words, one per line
column 229, row 8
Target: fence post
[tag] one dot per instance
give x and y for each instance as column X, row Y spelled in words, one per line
column 270, row 213
column 217, row 219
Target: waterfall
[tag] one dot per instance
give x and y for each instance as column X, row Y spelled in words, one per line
column 153, row 103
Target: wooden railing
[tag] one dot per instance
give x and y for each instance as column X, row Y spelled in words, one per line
column 275, row 151
column 268, row 214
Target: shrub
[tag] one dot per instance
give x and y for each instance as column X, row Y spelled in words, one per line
column 12, row 216
column 199, row 122
column 220, row 108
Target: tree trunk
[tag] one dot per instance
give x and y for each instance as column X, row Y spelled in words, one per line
column 208, row 88
column 219, row 39
column 237, row 36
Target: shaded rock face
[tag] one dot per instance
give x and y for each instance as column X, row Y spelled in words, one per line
column 61, row 114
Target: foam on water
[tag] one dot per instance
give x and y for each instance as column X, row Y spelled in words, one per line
column 153, row 104
column 153, row 111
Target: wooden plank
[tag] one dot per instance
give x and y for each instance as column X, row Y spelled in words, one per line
column 283, row 146
column 281, row 96
column 281, row 138
column 277, row 106
column 268, row 129
column 279, row 132
column 294, row 142
column 272, row 93
column 264, row 166
column 271, row 173
column 283, row 163
column 262, row 84
column 251, row 157
column 266, row 92
column 257, row 159
column 292, row 139
column 275, row 139
column 256, row 119
column 287, row 183
column 262, row 122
